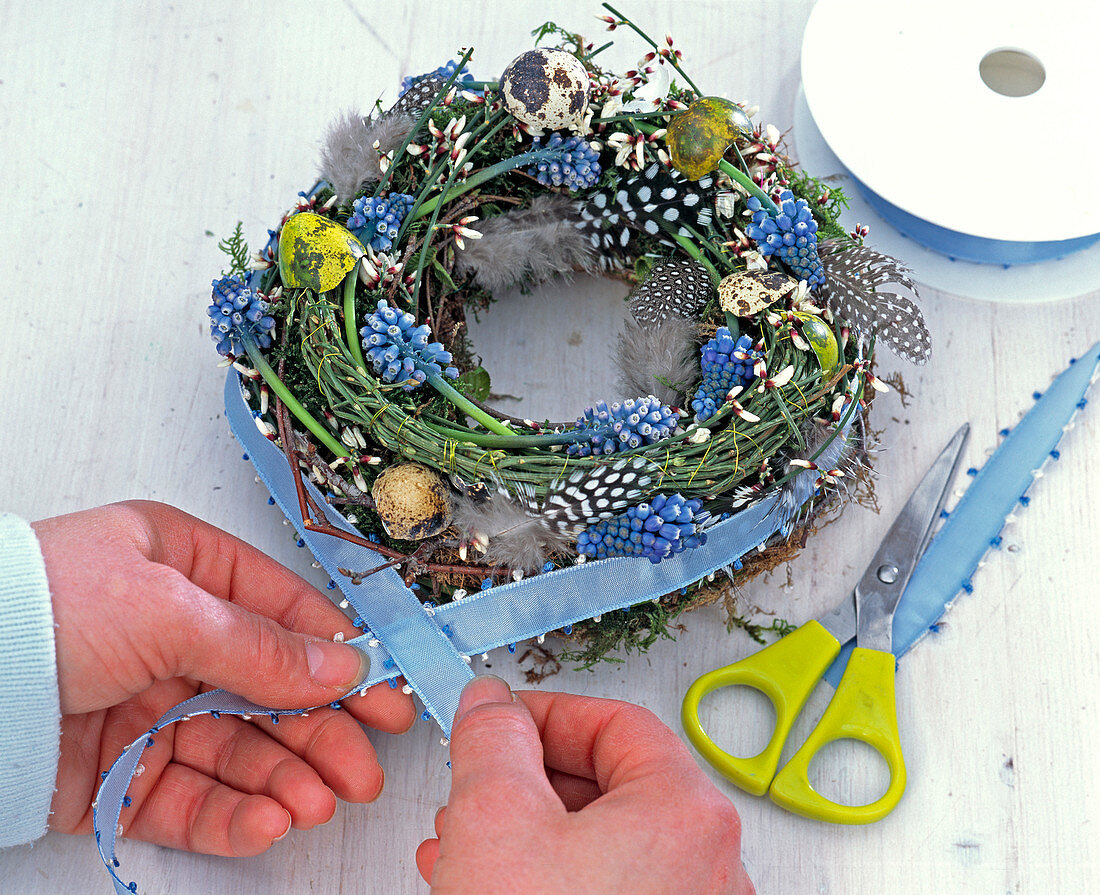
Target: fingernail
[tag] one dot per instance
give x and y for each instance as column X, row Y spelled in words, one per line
column 285, row 832
column 336, row 665
column 482, row 690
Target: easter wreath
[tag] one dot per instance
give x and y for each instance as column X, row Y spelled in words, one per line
column 746, row 361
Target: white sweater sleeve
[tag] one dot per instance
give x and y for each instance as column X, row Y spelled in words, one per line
column 30, row 714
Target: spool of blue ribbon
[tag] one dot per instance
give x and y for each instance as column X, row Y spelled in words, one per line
column 965, row 246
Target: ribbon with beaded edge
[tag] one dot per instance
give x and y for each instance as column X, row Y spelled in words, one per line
column 430, row 646
column 973, row 527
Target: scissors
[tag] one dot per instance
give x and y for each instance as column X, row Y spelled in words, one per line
column 863, row 707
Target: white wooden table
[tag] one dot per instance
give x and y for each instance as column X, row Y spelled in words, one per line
column 134, row 136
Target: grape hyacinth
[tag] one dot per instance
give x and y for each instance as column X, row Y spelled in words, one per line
column 726, row 364
column 444, row 73
column 573, row 165
column 665, row 526
column 399, row 349
column 791, row 234
column 379, row 220
column 623, row 426
column 236, row 312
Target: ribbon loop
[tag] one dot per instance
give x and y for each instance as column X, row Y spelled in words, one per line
column 431, row 649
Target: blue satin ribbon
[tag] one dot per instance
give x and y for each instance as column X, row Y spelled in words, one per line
column 427, row 644
column 967, row 247
column 430, row 646
column 973, row 527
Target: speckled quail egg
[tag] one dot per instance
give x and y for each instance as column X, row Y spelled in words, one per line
column 546, row 89
column 748, row 292
column 413, row 501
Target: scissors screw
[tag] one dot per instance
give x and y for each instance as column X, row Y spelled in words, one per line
column 887, row 573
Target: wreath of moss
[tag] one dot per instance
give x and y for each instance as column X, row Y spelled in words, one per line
column 460, row 156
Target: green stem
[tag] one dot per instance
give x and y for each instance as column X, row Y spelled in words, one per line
column 485, row 174
column 293, row 404
column 708, row 245
column 598, row 50
column 435, row 206
column 850, row 411
column 429, row 181
column 460, row 401
column 747, row 182
column 631, row 116
column 688, row 246
column 649, row 40
column 349, row 317
column 421, row 197
column 399, row 154
column 489, row 440
column 414, row 298
column 433, row 174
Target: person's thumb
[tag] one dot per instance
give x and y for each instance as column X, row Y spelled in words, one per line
column 257, row 658
column 496, row 751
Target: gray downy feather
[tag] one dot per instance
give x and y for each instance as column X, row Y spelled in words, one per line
column 520, row 536
column 348, row 156
column 527, row 245
column 649, row 356
column 835, row 452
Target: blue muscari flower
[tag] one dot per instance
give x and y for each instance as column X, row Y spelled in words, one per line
column 378, row 221
column 236, row 312
column 574, row 164
column 791, row 234
column 665, row 526
column 623, row 426
column 444, row 72
column 726, row 364
column 399, row 349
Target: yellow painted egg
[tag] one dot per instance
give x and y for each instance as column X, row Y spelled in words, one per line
column 412, row 500
column 822, row 340
column 699, row 136
column 316, row 253
column 546, row 89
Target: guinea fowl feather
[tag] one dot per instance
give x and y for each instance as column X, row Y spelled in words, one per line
column 867, row 288
column 658, row 201
column 522, row 532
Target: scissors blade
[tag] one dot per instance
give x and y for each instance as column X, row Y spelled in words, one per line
column 840, row 621
column 881, row 587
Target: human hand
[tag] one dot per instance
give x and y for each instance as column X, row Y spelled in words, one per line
column 553, row 793
column 152, row 606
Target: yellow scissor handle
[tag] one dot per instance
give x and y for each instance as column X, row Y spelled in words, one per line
column 786, row 672
column 863, row 709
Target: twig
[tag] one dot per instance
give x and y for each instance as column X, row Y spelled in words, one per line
column 312, row 516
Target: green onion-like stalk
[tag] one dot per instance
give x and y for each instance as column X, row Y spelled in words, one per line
column 747, row 182
column 519, row 442
column 293, row 404
column 350, row 323
column 649, row 40
column 424, row 115
column 464, row 404
column 484, row 175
